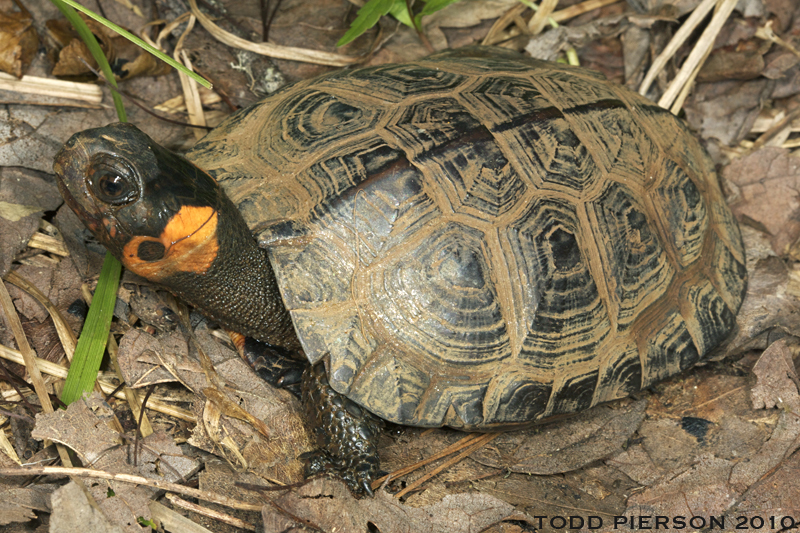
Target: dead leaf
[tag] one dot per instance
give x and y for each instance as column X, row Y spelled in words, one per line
column 783, row 441
column 771, row 302
column 18, row 42
column 566, row 445
column 701, row 490
column 775, row 495
column 149, row 306
column 326, row 504
column 73, row 60
column 550, row 44
column 25, row 195
column 767, row 190
column 776, row 65
column 146, row 359
column 273, row 458
column 777, row 378
column 74, row 513
column 465, row 14
column 59, row 282
column 637, row 464
column 732, row 65
column 19, row 504
column 726, row 110
column 84, row 426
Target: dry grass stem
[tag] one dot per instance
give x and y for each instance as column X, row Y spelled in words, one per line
column 48, row 243
column 177, row 104
column 53, row 104
column 28, row 355
column 539, row 19
column 191, row 95
column 499, row 33
column 29, row 359
column 458, row 445
column 677, row 105
column 698, row 53
column 268, row 49
column 472, row 441
column 156, row 404
column 579, row 9
column 768, row 34
column 780, row 127
column 676, row 42
column 6, row 445
column 767, row 119
column 133, row 397
column 86, row 92
column 65, row 335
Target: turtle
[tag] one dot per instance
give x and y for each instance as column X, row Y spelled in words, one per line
column 475, row 239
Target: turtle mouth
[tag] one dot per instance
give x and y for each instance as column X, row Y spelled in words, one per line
column 71, row 183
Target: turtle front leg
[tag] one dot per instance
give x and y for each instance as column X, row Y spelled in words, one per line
column 277, row 366
column 346, row 433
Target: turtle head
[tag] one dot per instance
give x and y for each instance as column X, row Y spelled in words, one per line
column 151, row 208
column 168, row 221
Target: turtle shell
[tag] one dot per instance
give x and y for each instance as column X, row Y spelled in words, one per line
column 481, row 240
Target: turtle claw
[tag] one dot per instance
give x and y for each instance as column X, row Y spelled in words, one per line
column 358, row 478
column 273, row 364
column 367, row 488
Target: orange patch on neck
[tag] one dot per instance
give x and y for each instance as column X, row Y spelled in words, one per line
column 189, row 241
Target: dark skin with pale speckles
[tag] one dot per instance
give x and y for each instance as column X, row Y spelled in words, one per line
column 124, row 186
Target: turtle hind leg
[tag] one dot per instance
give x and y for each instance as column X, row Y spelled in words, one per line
column 346, row 433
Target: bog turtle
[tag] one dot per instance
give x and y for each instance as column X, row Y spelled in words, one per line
column 475, row 239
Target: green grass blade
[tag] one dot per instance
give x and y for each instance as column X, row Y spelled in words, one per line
column 135, row 40
column 94, row 48
column 92, row 344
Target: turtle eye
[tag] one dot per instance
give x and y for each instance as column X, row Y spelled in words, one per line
column 112, row 181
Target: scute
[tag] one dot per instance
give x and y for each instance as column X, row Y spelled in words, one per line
column 481, row 240
column 635, row 263
column 440, row 298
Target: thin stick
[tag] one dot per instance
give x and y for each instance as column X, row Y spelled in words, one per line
column 268, row 49
column 459, row 445
column 211, row 513
column 127, row 478
column 479, row 443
